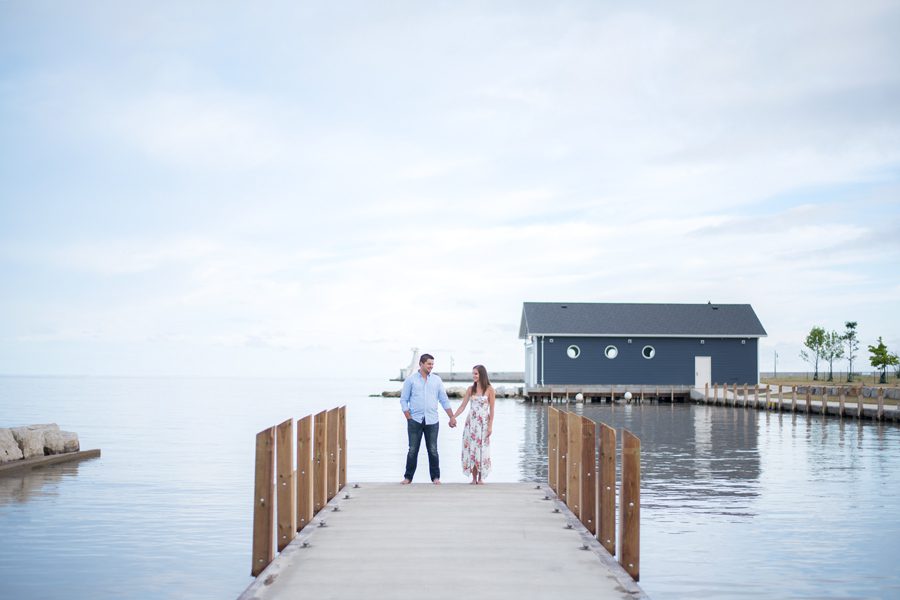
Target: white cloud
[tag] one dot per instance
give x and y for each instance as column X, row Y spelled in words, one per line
column 409, row 179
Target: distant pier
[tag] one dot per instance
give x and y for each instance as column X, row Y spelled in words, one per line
column 494, row 376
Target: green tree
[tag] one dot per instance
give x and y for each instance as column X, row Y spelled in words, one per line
column 832, row 349
column 815, row 341
column 881, row 359
column 851, row 341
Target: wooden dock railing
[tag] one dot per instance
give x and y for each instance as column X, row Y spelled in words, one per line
column 788, row 397
column 287, row 497
column 585, row 481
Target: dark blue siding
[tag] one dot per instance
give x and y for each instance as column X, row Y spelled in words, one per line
column 673, row 364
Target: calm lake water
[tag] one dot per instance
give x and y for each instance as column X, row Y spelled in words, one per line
column 735, row 503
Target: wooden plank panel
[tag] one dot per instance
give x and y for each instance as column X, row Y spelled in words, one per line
column 562, row 437
column 332, row 449
column 589, row 475
column 304, row 472
column 607, row 516
column 552, row 450
column 264, row 502
column 573, row 464
column 630, row 508
column 285, row 507
column 342, row 440
column 320, row 462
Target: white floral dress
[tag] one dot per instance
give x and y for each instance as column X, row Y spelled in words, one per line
column 476, row 446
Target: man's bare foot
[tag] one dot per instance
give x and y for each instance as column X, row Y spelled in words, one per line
column 405, row 482
column 436, row 481
column 473, row 482
column 480, row 482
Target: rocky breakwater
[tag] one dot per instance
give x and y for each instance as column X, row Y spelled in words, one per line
column 30, row 441
column 868, row 392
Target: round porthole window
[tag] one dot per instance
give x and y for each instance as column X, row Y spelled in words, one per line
column 611, row 352
column 573, row 351
column 648, row 352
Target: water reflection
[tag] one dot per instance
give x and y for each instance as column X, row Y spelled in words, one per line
column 42, row 482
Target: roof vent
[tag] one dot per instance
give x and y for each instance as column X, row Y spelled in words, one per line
column 564, row 306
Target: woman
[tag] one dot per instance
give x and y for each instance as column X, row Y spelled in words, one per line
column 476, row 448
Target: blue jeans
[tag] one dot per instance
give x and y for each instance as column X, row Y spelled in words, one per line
column 415, row 430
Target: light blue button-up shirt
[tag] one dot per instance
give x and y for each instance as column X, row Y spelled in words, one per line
column 420, row 397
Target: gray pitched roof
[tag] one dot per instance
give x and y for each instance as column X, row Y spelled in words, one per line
column 618, row 319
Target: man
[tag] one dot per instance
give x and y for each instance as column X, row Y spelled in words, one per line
column 421, row 393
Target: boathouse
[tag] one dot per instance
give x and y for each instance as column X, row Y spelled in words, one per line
column 611, row 344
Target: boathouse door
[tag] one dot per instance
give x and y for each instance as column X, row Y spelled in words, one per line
column 702, row 371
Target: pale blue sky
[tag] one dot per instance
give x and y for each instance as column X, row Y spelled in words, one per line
column 216, row 188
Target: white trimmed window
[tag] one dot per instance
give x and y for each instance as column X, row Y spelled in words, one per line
column 611, row 352
column 573, row 351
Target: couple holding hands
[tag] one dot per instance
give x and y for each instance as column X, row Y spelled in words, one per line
column 422, row 392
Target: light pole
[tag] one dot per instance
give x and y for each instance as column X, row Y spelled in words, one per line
column 775, row 375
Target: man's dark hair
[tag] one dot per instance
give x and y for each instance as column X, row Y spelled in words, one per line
column 425, row 357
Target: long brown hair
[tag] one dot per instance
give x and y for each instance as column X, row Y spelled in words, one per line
column 483, row 380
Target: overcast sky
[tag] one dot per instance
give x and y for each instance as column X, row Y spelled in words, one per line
column 298, row 189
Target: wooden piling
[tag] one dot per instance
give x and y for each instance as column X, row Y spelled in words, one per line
column 808, row 400
column 264, row 502
column 332, row 453
column 745, row 396
column 562, row 437
column 706, row 393
column 841, row 402
column 304, row 472
column 780, row 397
column 573, row 464
column 285, row 489
column 552, row 449
column 793, row 398
column 320, row 462
column 824, row 402
column 630, row 513
column 607, row 479
column 715, row 394
column 589, row 475
column 859, row 403
column 342, row 441
column 880, row 411
column 767, row 398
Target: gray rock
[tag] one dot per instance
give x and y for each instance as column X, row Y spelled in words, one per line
column 70, row 441
column 30, row 438
column 9, row 448
column 60, row 442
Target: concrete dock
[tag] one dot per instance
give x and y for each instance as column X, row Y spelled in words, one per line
column 499, row 540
